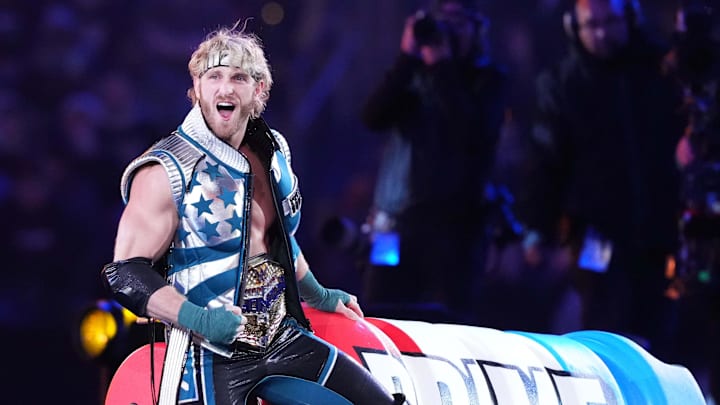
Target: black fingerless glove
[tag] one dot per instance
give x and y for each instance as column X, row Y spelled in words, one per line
column 132, row 282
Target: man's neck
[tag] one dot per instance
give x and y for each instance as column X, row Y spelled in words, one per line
column 237, row 139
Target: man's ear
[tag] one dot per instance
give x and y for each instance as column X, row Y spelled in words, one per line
column 196, row 88
column 259, row 88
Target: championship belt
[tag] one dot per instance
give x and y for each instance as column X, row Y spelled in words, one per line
column 263, row 301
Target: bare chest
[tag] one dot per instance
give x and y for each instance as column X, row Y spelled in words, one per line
column 262, row 210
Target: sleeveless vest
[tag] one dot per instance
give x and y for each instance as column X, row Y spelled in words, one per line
column 211, row 183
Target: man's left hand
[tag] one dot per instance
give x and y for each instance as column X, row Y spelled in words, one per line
column 351, row 309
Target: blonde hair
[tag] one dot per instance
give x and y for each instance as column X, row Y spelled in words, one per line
column 233, row 47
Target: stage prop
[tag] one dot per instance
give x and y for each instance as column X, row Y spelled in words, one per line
column 448, row 364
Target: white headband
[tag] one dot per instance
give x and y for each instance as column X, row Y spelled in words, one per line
column 217, row 58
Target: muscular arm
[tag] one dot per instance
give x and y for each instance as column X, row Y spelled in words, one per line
column 146, row 229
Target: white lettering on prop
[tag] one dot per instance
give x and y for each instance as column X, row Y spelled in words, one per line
column 513, row 385
column 390, row 372
column 435, row 380
column 580, row 390
column 439, row 381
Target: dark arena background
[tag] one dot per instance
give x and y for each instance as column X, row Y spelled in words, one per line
column 87, row 85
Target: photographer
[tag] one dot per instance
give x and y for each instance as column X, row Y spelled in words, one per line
column 603, row 140
column 441, row 106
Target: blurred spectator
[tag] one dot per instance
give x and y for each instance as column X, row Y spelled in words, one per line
column 607, row 123
column 33, row 244
column 58, row 58
column 127, row 126
column 80, row 169
column 695, row 62
column 441, row 104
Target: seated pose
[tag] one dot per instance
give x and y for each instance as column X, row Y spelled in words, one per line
column 214, row 206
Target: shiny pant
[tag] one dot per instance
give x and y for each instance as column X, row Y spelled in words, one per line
column 294, row 352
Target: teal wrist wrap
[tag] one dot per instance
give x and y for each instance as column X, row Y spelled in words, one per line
column 319, row 297
column 218, row 325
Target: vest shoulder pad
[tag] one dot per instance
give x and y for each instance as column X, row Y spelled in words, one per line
column 176, row 155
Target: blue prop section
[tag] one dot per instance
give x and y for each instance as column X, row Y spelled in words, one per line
column 630, row 374
column 642, row 378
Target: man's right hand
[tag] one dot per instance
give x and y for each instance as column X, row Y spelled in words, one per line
column 217, row 325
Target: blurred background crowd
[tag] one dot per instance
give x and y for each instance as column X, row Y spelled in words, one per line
column 87, row 85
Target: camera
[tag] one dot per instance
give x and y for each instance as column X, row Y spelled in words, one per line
column 429, row 30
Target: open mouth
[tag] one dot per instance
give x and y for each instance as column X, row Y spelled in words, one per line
column 225, row 109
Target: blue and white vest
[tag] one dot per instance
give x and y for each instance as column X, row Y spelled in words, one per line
column 211, row 183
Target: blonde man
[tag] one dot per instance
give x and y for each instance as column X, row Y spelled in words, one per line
column 218, row 202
